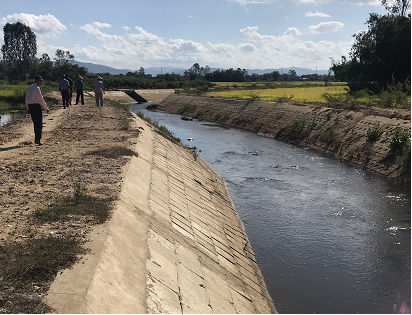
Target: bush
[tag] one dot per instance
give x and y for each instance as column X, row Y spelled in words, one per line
column 400, row 142
column 374, row 133
column 284, row 98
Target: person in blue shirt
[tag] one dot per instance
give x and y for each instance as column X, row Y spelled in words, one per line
column 79, row 86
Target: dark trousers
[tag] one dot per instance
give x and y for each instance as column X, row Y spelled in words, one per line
column 37, row 118
column 79, row 95
column 65, row 97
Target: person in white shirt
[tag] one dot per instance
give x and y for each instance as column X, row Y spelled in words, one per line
column 98, row 91
column 33, row 101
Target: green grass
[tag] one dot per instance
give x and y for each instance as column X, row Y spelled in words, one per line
column 79, row 204
column 113, row 152
column 12, row 96
column 162, row 130
column 31, row 263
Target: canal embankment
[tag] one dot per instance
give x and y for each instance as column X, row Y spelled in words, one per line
column 362, row 136
column 173, row 242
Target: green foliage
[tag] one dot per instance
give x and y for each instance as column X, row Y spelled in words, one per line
column 113, row 152
column 19, row 50
column 283, row 98
column 400, row 142
column 162, row 130
column 298, row 126
column 80, row 203
column 374, row 133
column 329, row 135
column 378, row 54
column 194, row 153
column 253, row 96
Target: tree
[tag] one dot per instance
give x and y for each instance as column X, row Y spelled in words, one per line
column 141, row 73
column 19, row 50
column 397, row 7
column 381, row 53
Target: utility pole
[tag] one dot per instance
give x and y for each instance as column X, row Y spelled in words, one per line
column 161, row 71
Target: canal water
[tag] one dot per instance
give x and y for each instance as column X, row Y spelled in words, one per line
column 328, row 237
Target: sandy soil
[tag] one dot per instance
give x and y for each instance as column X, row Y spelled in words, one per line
column 32, row 177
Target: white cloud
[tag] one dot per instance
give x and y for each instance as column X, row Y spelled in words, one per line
column 127, row 28
column 357, row 2
column 101, row 25
column 325, row 27
column 44, row 25
column 139, row 48
column 316, row 14
column 292, row 31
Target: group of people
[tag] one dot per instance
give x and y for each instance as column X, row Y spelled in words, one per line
column 66, row 89
column 34, row 99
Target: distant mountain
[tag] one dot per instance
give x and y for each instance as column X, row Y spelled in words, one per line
column 299, row 71
column 95, row 68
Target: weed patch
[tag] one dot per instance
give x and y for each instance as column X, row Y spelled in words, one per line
column 374, row 133
column 113, row 152
column 162, row 130
column 80, row 203
column 400, row 142
column 33, row 263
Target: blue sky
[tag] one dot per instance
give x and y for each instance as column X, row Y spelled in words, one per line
column 251, row 34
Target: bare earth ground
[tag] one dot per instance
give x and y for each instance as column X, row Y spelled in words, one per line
column 32, row 177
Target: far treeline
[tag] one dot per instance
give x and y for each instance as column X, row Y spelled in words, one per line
column 379, row 60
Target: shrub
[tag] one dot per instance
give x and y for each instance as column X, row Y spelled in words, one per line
column 254, row 96
column 284, row 98
column 374, row 133
column 400, row 142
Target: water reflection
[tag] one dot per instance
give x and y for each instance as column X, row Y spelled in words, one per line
column 7, row 117
column 329, row 237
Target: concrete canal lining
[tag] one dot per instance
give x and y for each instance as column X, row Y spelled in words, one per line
column 174, row 244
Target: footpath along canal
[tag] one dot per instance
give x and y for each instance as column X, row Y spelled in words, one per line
column 329, row 237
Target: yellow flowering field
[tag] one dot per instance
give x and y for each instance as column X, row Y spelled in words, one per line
column 298, row 94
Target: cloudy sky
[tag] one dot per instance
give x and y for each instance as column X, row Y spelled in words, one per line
column 252, row 34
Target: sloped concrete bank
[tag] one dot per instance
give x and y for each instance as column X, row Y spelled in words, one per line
column 174, row 244
column 337, row 132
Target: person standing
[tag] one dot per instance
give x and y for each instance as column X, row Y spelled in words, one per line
column 98, row 91
column 70, row 88
column 64, row 89
column 79, row 86
column 33, row 101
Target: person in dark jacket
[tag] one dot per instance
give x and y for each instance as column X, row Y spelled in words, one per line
column 70, row 88
column 64, row 89
column 79, row 86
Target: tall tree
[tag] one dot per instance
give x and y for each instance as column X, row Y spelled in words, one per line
column 19, row 50
column 398, row 7
column 380, row 54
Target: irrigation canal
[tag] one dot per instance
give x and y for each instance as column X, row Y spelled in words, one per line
column 329, row 237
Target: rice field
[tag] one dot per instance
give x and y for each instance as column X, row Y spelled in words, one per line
column 278, row 84
column 296, row 94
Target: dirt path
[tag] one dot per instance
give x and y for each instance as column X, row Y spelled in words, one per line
column 32, row 177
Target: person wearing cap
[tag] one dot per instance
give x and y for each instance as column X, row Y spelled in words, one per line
column 79, row 86
column 64, row 89
column 33, row 101
column 98, row 91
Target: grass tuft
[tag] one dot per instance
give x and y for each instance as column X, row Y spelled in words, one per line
column 80, row 203
column 113, row 152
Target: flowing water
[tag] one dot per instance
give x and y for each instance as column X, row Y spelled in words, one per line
column 329, row 237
